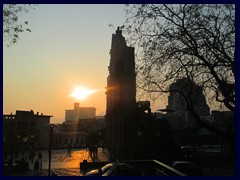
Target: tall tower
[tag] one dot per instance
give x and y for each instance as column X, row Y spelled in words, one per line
column 121, row 98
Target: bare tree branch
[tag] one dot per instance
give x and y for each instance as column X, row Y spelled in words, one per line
column 196, row 41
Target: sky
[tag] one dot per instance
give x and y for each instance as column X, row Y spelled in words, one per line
column 68, row 46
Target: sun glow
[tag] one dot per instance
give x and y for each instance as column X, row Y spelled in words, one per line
column 82, row 93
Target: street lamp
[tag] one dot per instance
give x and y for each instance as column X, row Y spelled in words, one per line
column 51, row 126
column 86, row 140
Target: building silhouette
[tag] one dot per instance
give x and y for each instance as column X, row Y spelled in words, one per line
column 121, row 98
column 196, row 141
column 25, row 131
column 132, row 132
column 178, row 115
column 76, row 133
column 80, row 113
column 79, row 123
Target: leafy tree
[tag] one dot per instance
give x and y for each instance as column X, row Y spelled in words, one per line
column 11, row 25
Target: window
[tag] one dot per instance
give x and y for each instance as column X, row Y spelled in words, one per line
column 77, row 140
column 66, row 141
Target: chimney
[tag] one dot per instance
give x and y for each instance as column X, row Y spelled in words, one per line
column 76, row 106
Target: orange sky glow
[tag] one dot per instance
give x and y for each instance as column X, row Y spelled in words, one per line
column 67, row 48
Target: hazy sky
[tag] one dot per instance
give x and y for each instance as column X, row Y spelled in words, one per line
column 68, row 46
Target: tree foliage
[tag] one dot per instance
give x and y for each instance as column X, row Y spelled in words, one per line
column 196, row 41
column 12, row 26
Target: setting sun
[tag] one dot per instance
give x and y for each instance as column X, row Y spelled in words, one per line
column 81, row 93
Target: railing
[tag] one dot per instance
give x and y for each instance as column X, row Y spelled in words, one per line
column 142, row 168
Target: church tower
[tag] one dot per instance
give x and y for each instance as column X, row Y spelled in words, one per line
column 121, row 98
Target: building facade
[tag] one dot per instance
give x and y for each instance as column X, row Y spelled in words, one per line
column 75, row 134
column 121, row 98
column 83, row 125
column 64, row 139
column 80, row 113
column 178, row 115
column 25, row 131
column 79, row 123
